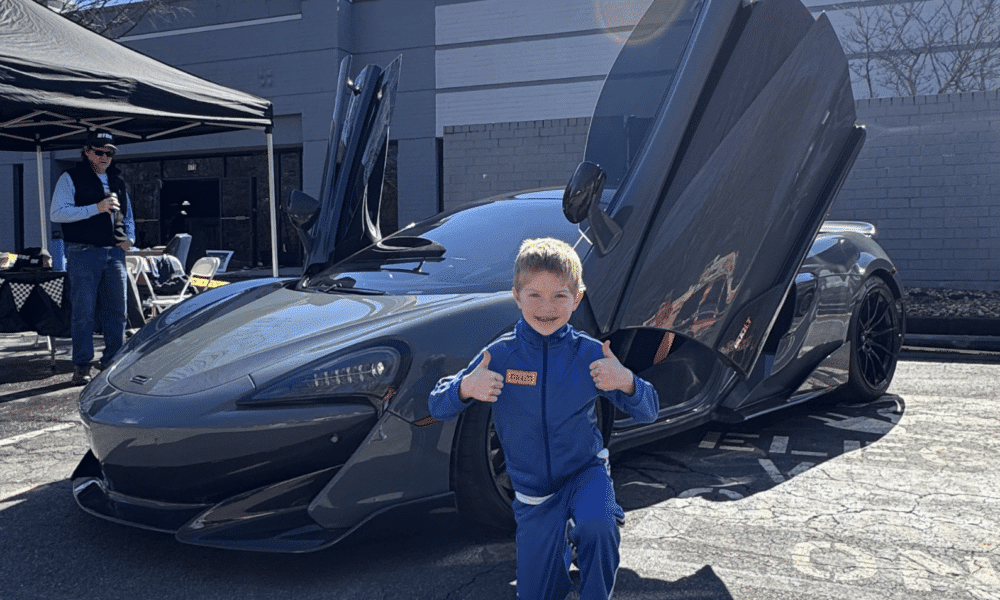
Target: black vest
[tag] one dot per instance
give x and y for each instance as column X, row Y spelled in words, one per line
column 100, row 229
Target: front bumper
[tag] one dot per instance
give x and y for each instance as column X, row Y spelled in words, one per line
column 288, row 479
column 273, row 518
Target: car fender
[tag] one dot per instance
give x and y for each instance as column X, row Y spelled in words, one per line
column 407, row 455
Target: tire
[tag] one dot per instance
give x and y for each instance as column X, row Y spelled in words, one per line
column 876, row 334
column 482, row 488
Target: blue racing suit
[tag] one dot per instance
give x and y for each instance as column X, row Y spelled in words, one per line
column 555, row 454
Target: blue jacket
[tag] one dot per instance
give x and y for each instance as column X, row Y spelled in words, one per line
column 544, row 415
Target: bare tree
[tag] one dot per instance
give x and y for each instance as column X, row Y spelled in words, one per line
column 116, row 18
column 925, row 47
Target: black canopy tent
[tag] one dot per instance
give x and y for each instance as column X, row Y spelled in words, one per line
column 59, row 81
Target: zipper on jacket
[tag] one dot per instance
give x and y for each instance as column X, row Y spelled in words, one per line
column 545, row 419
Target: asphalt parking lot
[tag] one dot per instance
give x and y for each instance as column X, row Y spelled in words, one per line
column 894, row 499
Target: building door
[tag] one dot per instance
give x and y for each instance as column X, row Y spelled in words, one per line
column 192, row 206
column 240, row 222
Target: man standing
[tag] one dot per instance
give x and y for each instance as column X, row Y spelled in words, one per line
column 92, row 204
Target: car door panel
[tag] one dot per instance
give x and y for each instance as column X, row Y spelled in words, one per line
column 711, row 250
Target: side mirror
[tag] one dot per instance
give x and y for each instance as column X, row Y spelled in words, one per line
column 302, row 210
column 583, row 190
column 582, row 201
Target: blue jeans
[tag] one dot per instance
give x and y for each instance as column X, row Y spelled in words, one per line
column 97, row 283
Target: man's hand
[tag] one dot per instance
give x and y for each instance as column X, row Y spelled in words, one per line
column 609, row 374
column 109, row 204
column 481, row 383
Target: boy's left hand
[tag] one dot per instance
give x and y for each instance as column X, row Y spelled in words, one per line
column 609, row 374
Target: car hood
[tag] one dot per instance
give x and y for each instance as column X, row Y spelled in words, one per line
column 726, row 130
column 263, row 337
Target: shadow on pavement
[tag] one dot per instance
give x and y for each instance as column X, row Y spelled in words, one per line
column 52, row 550
column 703, row 585
column 26, row 368
column 731, row 462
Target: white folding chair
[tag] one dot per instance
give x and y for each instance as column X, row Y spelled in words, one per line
column 204, row 267
column 139, row 275
column 136, row 308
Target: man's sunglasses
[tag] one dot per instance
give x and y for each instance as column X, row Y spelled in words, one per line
column 99, row 153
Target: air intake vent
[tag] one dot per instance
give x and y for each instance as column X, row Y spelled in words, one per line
column 140, row 379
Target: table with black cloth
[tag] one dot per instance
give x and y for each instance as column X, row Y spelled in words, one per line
column 39, row 301
column 35, row 301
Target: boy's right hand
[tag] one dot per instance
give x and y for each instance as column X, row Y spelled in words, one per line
column 481, row 383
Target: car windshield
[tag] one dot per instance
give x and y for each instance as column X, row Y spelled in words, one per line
column 468, row 251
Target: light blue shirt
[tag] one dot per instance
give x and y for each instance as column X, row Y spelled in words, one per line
column 65, row 210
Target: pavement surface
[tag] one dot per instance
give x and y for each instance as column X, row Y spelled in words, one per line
column 35, row 381
column 891, row 500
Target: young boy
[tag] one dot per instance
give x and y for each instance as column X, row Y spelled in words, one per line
column 543, row 379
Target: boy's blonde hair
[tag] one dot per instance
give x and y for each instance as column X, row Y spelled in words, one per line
column 551, row 255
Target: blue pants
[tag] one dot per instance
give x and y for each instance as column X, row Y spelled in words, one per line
column 543, row 555
column 97, row 291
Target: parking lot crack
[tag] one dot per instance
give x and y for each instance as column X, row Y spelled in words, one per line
column 468, row 589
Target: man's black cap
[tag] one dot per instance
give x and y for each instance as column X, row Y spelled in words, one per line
column 101, row 139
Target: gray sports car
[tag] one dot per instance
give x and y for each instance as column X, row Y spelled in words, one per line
column 281, row 414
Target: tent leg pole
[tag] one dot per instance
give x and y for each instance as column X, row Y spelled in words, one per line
column 274, row 204
column 41, row 199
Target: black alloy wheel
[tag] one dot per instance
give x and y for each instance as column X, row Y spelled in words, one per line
column 876, row 334
column 498, row 465
column 482, row 487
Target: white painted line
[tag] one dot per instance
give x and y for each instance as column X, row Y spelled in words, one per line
column 5, row 502
column 738, row 448
column 809, row 453
column 710, row 439
column 658, row 486
column 779, row 445
column 851, row 446
column 33, row 434
column 800, row 469
column 772, row 470
column 885, row 456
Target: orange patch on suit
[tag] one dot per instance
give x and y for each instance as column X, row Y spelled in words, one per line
column 521, row 377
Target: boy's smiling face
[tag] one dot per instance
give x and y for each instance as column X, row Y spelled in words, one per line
column 546, row 301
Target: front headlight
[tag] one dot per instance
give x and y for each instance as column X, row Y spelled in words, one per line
column 370, row 373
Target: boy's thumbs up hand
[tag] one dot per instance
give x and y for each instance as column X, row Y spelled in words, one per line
column 609, row 374
column 481, row 383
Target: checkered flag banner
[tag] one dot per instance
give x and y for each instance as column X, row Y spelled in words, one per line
column 54, row 288
column 20, row 291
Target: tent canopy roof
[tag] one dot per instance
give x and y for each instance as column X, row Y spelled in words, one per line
column 59, row 80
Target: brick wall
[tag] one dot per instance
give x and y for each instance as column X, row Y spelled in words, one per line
column 928, row 178
column 486, row 160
